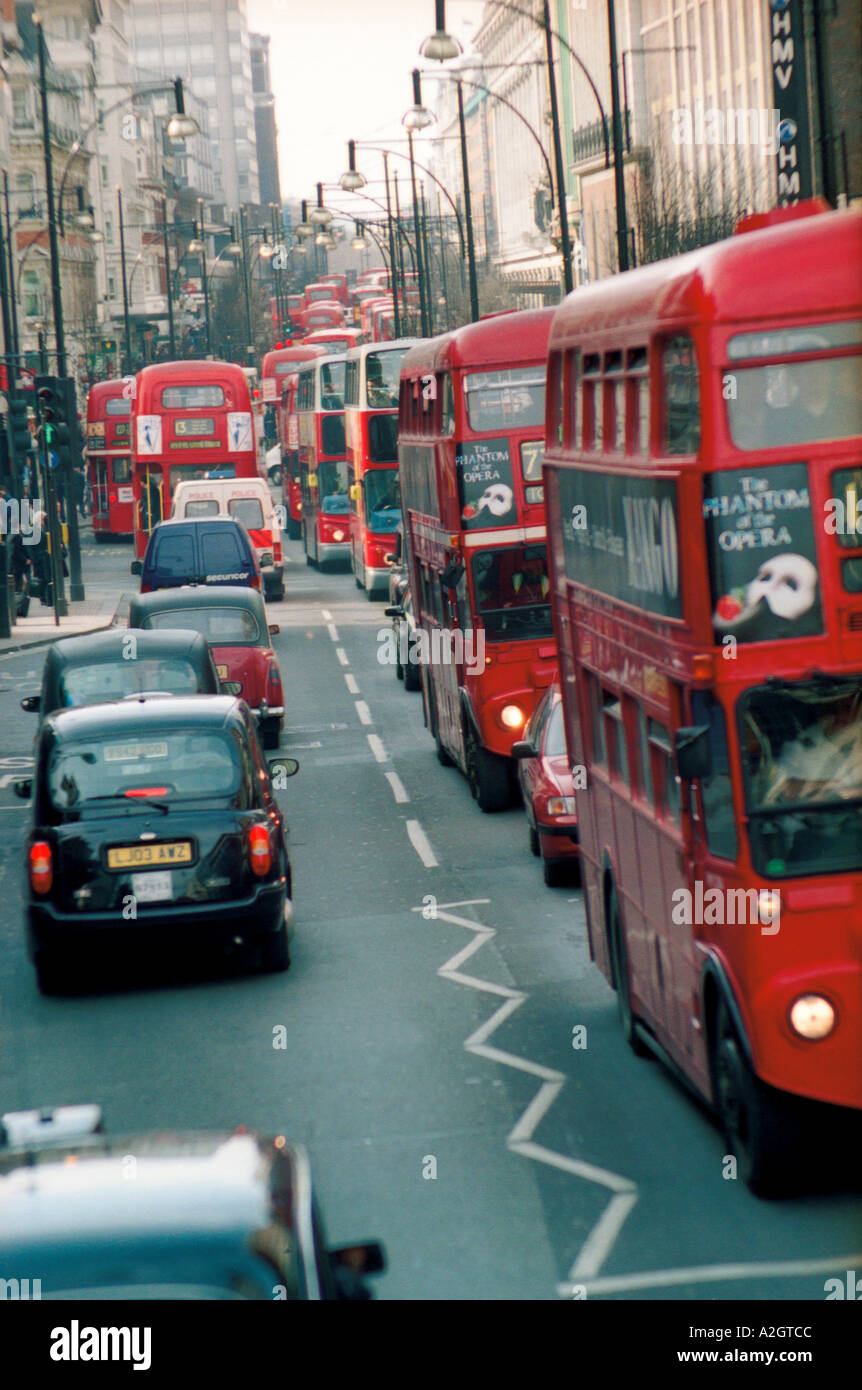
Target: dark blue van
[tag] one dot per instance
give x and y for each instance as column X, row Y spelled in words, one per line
column 212, row 550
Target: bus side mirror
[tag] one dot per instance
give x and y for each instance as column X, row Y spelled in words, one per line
column 693, row 753
column 136, row 567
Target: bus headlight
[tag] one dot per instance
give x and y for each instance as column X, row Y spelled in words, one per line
column 338, row 535
column 812, row 1017
column 511, row 716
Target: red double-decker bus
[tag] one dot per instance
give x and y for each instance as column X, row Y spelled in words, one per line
column 190, row 419
column 470, row 444
column 109, row 459
column 371, row 427
column 338, row 284
column 323, row 460
column 326, row 314
column 279, row 378
column 703, row 471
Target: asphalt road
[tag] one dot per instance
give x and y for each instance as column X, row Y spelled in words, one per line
column 427, row 1025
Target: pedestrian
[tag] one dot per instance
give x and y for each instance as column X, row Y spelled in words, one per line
column 21, row 572
column 41, row 561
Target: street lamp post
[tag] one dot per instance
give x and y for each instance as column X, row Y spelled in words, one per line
column 127, row 332
column 468, row 212
column 617, row 131
column 566, row 244
column 243, row 238
column 171, row 334
column 417, row 236
column 393, row 268
column 13, row 299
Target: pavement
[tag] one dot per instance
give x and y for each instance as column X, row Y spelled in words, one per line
column 96, row 611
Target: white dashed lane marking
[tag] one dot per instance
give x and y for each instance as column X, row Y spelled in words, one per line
column 398, row 788
column 342, row 656
column 363, row 711
column 419, row 841
column 352, row 684
column 377, row 748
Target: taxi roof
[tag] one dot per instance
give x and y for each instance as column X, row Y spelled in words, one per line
column 192, row 595
column 183, row 1183
column 128, row 716
column 107, row 646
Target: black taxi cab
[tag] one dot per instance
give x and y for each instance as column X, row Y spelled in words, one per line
column 154, row 825
column 118, row 665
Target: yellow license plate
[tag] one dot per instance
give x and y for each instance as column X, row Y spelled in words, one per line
column 221, row 672
column 150, row 856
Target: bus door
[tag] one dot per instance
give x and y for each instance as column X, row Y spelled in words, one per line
column 99, row 484
column 151, row 503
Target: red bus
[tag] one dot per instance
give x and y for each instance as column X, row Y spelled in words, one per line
column 367, row 311
column 323, row 460
column 703, row 432
column 280, row 369
column 335, row 340
column 190, row 419
column 371, row 428
column 109, row 461
column 328, row 313
column 338, row 285
column 470, row 446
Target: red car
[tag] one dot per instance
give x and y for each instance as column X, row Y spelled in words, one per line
column 548, row 790
column 233, row 620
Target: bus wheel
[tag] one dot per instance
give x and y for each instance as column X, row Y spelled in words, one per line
column 621, row 976
column 488, row 775
column 756, row 1119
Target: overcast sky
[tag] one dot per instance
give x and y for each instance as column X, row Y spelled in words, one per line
column 341, row 70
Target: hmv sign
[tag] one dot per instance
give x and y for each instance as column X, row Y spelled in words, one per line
column 790, row 98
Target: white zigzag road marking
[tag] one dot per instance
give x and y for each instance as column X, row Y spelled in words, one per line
column 711, row 1274
column 606, row 1230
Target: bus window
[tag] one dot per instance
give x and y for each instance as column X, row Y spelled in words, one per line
column 555, row 397
column 681, row 396
column 383, row 439
column 572, row 420
column 118, row 405
column 796, row 403
column 447, row 406
column 716, row 796
column 382, row 370
column 122, row 471
column 615, row 735
column 667, row 794
column 644, row 760
column 641, row 387
column 510, row 399
column 600, row 752
column 351, row 384
column 618, row 414
column 191, row 397
column 332, row 438
column 512, row 592
column 846, row 488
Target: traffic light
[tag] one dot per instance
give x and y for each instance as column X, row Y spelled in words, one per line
column 52, row 394
column 18, row 428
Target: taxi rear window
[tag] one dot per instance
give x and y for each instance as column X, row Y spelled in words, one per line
column 218, row 625
column 107, row 680
column 163, row 765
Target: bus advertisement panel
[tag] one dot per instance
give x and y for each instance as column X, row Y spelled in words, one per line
column 190, row 419
column 703, row 468
column 371, row 425
column 323, row 460
column 108, row 455
column 470, row 447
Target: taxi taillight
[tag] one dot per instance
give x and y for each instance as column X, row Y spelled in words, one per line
column 41, row 867
column 260, row 850
column 254, row 582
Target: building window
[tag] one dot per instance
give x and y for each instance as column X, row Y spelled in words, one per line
column 112, row 287
column 32, row 294
column 21, row 106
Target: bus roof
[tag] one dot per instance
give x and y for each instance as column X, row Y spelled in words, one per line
column 297, row 352
column 500, row 340
column 190, row 369
column 767, row 273
column 107, row 390
column 392, row 345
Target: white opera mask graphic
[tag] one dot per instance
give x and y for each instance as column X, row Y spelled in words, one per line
column 787, row 584
column 497, row 499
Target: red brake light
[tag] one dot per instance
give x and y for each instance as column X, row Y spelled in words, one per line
column 255, row 581
column 147, row 791
column 41, row 867
column 259, row 850
column 276, row 550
